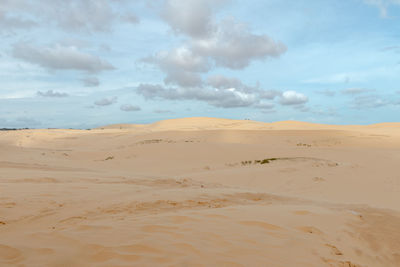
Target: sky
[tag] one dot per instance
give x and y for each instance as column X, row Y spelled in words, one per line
column 88, row 63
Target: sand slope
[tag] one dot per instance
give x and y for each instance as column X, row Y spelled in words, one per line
column 201, row 192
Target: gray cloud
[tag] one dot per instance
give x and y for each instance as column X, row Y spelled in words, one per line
column 223, row 95
column 210, row 44
column 181, row 66
column 329, row 111
column 190, row 17
column 395, row 48
column 368, row 102
column 234, row 46
column 356, row 91
column 60, row 58
column 77, row 15
column 130, row 18
column 9, row 22
column 229, row 43
column 225, row 98
column 51, row 93
column 90, row 81
column 19, row 122
column 106, row 101
column 128, row 107
column 326, row 92
column 265, row 106
column 162, row 111
column 293, row 98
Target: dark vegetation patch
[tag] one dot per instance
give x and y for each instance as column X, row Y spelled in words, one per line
column 13, row 129
column 262, row 161
column 304, row 145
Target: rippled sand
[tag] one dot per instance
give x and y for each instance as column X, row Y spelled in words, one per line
column 201, row 192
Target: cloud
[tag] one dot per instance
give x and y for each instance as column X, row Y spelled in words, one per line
column 223, row 82
column 9, row 22
column 209, row 43
column 234, row 46
column 326, row 92
column 130, row 18
column 51, row 93
column 90, row 81
column 355, row 91
column 60, row 58
column 383, row 5
column 368, row 102
column 293, row 98
column 162, row 111
column 19, row 122
column 77, row 15
column 395, row 48
column 222, row 95
column 181, row 66
column 265, row 106
column 191, row 17
column 128, row 107
column 225, row 98
column 325, row 111
column 106, row 101
column 334, row 78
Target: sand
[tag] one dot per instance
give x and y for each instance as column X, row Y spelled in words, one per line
column 194, row 192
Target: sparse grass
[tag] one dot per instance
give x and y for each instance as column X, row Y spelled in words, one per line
column 305, row 145
column 265, row 161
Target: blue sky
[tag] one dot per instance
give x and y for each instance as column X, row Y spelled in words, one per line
column 86, row 63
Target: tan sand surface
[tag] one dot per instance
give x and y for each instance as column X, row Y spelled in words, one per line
column 201, row 192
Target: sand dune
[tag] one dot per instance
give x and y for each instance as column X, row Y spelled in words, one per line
column 201, row 192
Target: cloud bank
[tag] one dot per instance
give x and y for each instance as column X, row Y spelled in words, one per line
column 209, row 44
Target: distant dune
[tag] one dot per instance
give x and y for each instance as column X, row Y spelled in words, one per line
column 206, row 123
column 201, row 192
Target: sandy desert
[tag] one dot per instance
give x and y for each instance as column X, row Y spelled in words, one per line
column 201, row 192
